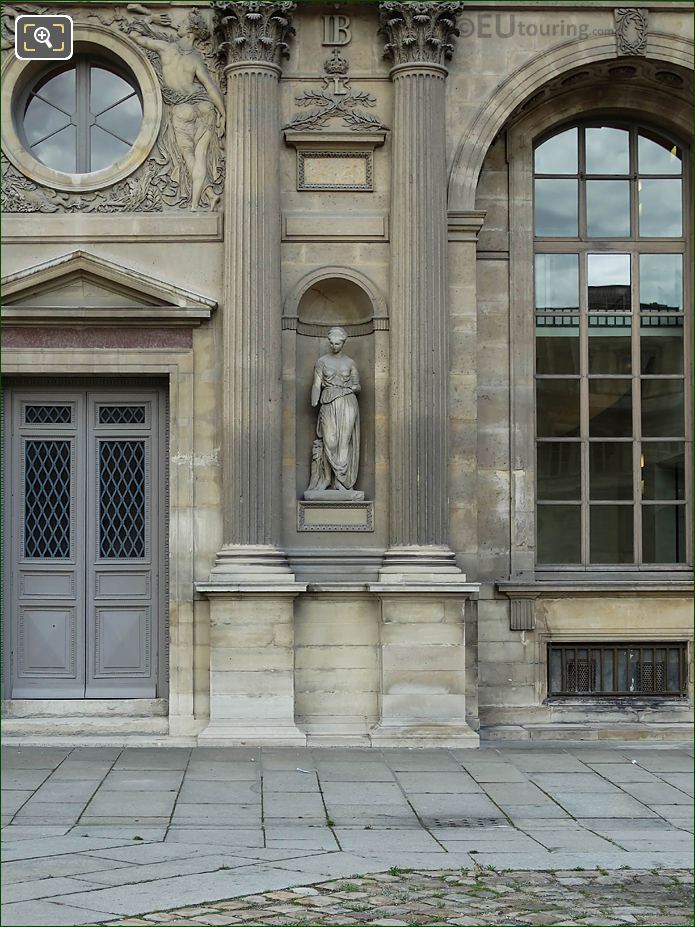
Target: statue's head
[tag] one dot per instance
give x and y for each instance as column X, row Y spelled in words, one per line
column 337, row 338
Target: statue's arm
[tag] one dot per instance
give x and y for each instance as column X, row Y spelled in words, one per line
column 206, row 80
column 152, row 44
column 355, row 380
column 316, row 385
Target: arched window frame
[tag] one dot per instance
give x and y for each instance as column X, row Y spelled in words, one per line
column 522, row 137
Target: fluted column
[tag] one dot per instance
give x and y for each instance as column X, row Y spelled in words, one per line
column 253, row 36
column 418, row 42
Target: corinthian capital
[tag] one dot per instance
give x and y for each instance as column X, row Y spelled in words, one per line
column 419, row 32
column 253, row 30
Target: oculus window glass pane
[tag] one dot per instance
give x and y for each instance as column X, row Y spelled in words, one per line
column 610, row 344
column 607, row 150
column 59, row 151
column 660, row 208
column 558, row 155
column 559, row 533
column 557, row 408
column 611, row 534
column 655, row 155
column 59, row 91
column 663, row 533
column 662, row 408
column 608, row 208
column 559, row 471
column 610, row 470
column 556, row 208
column 42, row 120
column 610, row 408
column 608, row 279
column 104, row 148
column 557, row 282
column 662, row 467
column 661, row 282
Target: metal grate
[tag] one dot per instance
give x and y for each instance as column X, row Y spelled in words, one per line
column 48, row 415
column 121, row 415
column 47, row 500
column 642, row 668
column 122, row 499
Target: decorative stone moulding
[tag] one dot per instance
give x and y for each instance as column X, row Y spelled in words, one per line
column 419, row 33
column 337, row 160
column 253, row 31
column 631, row 30
column 18, row 75
column 335, row 516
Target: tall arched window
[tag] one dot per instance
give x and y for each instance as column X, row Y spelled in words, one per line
column 611, row 428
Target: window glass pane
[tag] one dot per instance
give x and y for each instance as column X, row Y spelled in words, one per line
column 559, row 537
column 59, row 151
column 60, row 90
column 41, row 120
column 611, row 534
column 610, row 408
column 610, row 345
column 557, row 408
column 607, row 151
column 608, row 279
column 559, row 470
column 661, row 282
column 556, row 207
column 608, row 208
column 660, row 208
column 123, row 119
column 663, row 470
column 673, row 673
column 607, row 674
column 555, row 670
column 661, row 344
column 663, row 533
column 558, row 155
column 557, row 344
column 662, row 408
column 106, row 88
column 657, row 156
column 557, row 281
column 105, row 148
column 610, row 470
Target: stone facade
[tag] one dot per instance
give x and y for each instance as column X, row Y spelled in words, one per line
column 300, row 167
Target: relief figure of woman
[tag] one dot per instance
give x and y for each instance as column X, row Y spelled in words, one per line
column 336, row 452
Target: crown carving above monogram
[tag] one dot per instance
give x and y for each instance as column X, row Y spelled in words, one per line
column 419, row 32
column 258, row 30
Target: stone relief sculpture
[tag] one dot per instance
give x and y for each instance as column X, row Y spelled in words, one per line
column 336, row 450
column 186, row 167
column 631, row 30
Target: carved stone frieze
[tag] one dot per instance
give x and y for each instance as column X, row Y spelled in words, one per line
column 631, row 28
column 253, row 31
column 336, row 99
column 419, row 32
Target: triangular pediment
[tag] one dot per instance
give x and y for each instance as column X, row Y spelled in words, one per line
column 83, row 286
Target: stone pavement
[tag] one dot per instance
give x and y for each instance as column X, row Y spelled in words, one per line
column 96, row 833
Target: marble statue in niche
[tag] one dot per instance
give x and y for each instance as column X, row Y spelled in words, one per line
column 335, row 455
column 194, row 112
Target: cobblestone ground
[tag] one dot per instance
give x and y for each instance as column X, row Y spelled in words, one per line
column 478, row 897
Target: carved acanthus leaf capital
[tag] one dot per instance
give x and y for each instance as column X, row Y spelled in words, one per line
column 258, row 30
column 419, row 32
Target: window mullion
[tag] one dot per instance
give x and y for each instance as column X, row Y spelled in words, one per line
column 82, row 113
column 584, row 406
column 636, row 410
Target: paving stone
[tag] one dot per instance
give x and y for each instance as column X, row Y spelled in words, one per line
column 81, row 769
column 50, row 813
column 13, row 801
column 126, row 780
column 33, row 757
column 42, row 888
column 683, row 781
column 288, row 781
column 574, row 782
column 235, row 791
column 23, row 778
column 598, row 805
column 438, row 783
column 153, row 758
column 138, row 804
column 658, row 793
column 126, row 831
column 66, row 790
column 47, row 914
column 72, row 864
column 229, row 836
column 493, row 772
column 209, row 814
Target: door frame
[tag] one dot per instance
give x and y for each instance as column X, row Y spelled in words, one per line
column 120, row 386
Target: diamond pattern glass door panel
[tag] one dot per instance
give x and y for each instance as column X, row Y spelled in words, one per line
column 122, row 492
column 47, row 499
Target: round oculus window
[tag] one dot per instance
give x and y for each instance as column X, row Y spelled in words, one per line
column 82, row 118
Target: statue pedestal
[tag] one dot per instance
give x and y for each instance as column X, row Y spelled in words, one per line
column 333, row 495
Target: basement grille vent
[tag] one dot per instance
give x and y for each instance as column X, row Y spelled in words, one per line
column 638, row 669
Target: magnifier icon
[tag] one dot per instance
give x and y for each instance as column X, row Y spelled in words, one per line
column 43, row 36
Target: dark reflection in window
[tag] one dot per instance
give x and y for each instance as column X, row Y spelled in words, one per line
column 608, row 279
column 662, row 408
column 556, row 209
column 607, row 151
column 608, row 208
column 657, row 156
column 559, row 534
column 663, row 470
column 660, row 208
column 558, row 155
column 557, row 408
column 610, row 470
column 557, row 344
column 610, row 408
column 661, row 282
column 611, row 533
column 559, row 471
column 610, row 344
column 663, row 533
column 661, row 345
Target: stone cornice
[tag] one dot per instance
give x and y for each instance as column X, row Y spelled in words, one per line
column 419, row 33
column 258, row 30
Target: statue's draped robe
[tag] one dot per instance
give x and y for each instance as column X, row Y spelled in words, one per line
column 338, row 424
